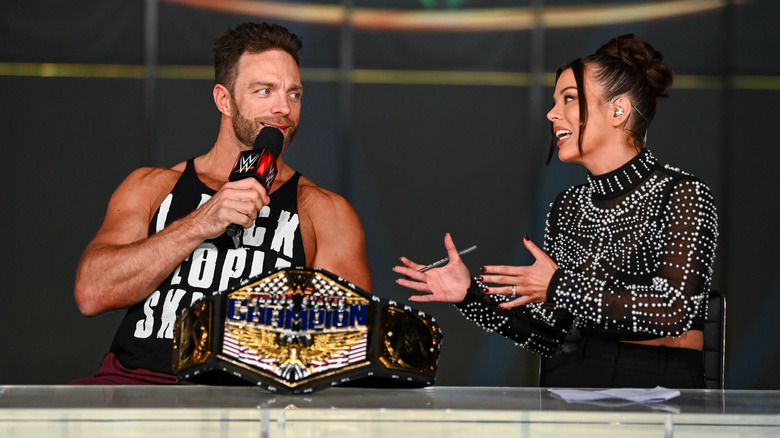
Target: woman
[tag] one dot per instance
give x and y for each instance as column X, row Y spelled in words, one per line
column 628, row 256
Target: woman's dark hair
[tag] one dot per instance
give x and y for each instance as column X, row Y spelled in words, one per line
column 625, row 67
column 253, row 38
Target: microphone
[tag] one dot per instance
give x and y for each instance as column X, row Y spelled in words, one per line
column 258, row 163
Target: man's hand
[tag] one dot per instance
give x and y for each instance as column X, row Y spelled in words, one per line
column 236, row 202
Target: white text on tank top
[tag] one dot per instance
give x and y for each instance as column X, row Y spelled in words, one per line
column 204, row 272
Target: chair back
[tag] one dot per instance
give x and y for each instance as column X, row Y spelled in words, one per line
column 714, row 350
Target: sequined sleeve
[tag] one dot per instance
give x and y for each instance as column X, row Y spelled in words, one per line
column 536, row 327
column 675, row 266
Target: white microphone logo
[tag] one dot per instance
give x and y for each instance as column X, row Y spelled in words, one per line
column 246, row 164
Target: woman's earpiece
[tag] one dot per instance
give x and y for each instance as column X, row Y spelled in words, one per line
column 619, row 112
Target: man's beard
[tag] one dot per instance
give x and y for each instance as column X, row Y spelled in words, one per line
column 246, row 130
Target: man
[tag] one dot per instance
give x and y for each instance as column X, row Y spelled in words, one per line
column 163, row 245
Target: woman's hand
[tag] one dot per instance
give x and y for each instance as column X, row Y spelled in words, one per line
column 529, row 282
column 447, row 284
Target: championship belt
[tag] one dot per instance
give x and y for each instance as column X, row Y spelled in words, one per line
column 297, row 330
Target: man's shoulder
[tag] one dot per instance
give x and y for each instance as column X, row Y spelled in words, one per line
column 324, row 207
column 310, row 195
column 149, row 183
column 156, row 175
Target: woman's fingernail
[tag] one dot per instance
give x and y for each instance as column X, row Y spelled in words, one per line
column 479, row 278
column 526, row 237
column 485, row 290
column 483, row 269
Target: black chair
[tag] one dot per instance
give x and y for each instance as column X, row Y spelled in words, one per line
column 714, row 350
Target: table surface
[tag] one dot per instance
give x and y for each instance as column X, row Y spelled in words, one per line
column 427, row 412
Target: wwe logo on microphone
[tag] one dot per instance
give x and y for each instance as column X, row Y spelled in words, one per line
column 246, row 164
column 257, row 164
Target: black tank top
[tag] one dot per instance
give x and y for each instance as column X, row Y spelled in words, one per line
column 144, row 337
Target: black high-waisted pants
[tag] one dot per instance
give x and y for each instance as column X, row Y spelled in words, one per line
column 601, row 363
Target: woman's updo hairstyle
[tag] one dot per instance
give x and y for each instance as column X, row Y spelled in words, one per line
column 625, row 67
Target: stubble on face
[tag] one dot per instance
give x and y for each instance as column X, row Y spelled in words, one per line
column 246, row 130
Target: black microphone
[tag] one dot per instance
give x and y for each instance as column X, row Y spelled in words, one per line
column 260, row 164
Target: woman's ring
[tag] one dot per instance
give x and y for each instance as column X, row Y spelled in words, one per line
column 514, row 291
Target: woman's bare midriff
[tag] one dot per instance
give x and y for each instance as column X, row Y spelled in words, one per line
column 693, row 339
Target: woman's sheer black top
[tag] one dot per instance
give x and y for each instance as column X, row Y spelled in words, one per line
column 635, row 251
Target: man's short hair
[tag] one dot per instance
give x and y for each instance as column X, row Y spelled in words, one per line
column 253, row 38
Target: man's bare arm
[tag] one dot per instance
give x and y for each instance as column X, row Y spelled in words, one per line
column 123, row 264
column 340, row 240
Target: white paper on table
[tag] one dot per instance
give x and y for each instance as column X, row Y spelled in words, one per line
column 637, row 395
